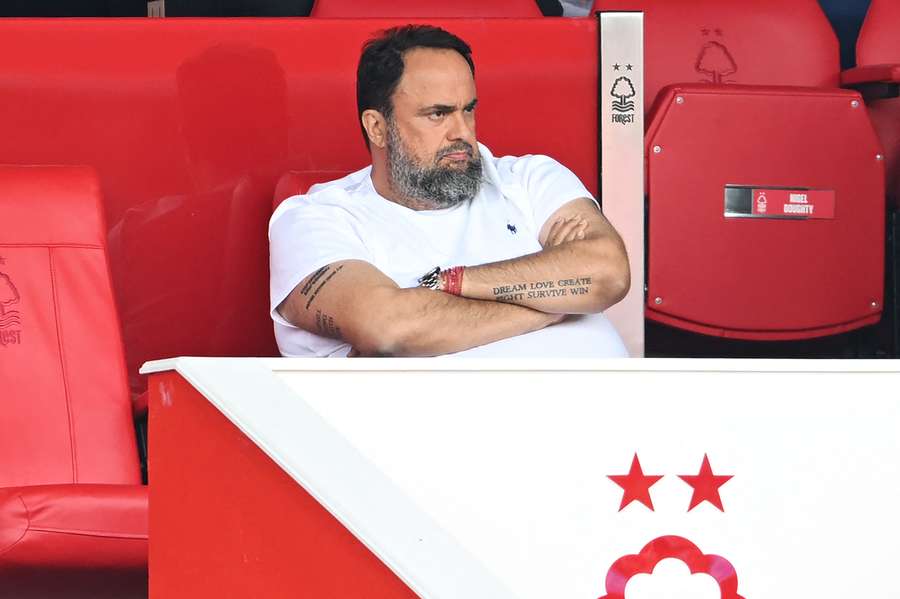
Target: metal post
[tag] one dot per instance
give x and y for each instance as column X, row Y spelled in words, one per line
column 621, row 99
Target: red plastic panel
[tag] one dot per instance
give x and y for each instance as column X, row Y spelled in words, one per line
column 763, row 278
column 269, row 538
column 879, row 39
column 66, row 412
column 190, row 122
column 764, row 42
column 425, row 8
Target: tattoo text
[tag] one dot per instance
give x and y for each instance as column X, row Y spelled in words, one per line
column 542, row 289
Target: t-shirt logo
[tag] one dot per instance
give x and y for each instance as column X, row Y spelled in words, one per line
column 512, row 228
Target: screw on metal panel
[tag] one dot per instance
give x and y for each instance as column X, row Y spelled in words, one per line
column 657, row 149
column 657, row 301
column 855, row 103
column 874, row 304
column 879, row 156
column 679, row 99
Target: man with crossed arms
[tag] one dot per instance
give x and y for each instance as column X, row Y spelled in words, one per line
column 439, row 247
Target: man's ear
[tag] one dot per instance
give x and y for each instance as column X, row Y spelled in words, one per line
column 376, row 127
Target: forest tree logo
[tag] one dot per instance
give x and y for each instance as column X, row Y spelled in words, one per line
column 715, row 61
column 623, row 105
column 10, row 320
column 623, row 91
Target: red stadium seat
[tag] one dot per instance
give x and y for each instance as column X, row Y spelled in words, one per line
column 742, row 98
column 73, row 514
column 422, row 8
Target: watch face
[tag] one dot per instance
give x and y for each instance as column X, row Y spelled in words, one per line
column 430, row 279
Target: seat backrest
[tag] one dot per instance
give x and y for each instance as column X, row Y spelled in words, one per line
column 749, row 269
column 425, row 8
column 65, row 416
column 764, row 42
column 879, row 38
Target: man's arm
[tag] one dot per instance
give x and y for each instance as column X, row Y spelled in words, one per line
column 582, row 269
column 354, row 301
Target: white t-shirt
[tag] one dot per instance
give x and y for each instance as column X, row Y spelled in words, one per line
column 348, row 220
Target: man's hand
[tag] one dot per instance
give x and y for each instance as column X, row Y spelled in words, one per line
column 582, row 269
column 355, row 302
column 564, row 230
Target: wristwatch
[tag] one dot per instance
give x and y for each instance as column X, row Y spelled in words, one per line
column 431, row 279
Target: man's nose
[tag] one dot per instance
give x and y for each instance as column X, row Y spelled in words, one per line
column 461, row 127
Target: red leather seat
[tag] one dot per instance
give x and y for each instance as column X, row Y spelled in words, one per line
column 745, row 95
column 420, row 8
column 73, row 514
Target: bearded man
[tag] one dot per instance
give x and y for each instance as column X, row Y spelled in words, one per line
column 439, row 247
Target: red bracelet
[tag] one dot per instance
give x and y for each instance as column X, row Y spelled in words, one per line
column 452, row 280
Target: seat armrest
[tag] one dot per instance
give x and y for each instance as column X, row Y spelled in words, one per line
column 876, row 73
column 874, row 82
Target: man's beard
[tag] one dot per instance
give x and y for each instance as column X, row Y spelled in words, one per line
column 436, row 185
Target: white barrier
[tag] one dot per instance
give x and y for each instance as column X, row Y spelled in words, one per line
column 493, row 479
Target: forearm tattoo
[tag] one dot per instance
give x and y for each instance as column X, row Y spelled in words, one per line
column 537, row 290
column 317, row 277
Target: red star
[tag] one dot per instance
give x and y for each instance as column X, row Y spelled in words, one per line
column 636, row 485
column 706, row 485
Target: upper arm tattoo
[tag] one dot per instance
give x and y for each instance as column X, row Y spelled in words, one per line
column 316, row 281
column 312, row 285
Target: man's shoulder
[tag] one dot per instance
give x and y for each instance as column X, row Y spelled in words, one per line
column 513, row 168
column 335, row 195
column 349, row 183
column 534, row 180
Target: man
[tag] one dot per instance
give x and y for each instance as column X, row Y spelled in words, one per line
column 439, row 247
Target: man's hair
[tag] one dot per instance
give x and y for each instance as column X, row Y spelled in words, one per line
column 381, row 64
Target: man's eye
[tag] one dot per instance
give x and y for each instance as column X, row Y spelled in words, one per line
column 437, row 115
column 469, row 109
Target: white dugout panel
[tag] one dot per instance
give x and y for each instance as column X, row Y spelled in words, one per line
column 492, row 479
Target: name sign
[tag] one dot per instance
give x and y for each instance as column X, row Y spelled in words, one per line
column 779, row 202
